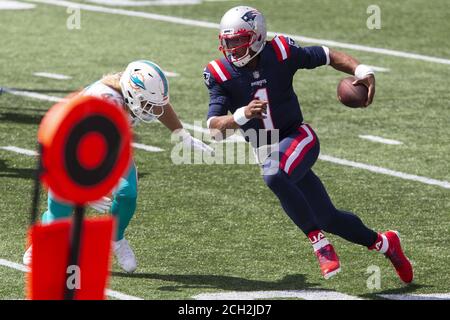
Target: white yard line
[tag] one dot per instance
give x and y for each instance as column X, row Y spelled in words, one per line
column 252, row 295
column 55, row 76
column 380, row 69
column 15, row 5
column 109, row 292
column 389, row 172
column 380, row 139
column 120, row 296
column 146, row 147
column 310, row 295
column 26, row 152
column 33, row 95
column 206, row 24
column 344, row 162
column 171, row 74
column 13, row 265
column 427, row 296
column 33, row 153
column 130, row 3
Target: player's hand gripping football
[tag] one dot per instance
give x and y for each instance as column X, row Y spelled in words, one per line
column 256, row 109
column 369, row 82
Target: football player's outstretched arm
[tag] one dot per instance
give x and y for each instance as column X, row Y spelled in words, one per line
column 218, row 125
column 346, row 63
column 170, row 119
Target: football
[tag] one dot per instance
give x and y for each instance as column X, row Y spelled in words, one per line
column 353, row 96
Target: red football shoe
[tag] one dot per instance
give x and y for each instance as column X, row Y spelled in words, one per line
column 328, row 261
column 395, row 254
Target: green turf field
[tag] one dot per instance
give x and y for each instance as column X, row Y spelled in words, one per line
column 217, row 228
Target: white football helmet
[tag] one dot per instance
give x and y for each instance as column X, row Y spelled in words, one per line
column 241, row 29
column 145, row 89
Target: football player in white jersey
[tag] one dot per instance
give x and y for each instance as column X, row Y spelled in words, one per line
column 142, row 90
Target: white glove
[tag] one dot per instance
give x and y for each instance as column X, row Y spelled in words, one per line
column 195, row 143
column 102, row 205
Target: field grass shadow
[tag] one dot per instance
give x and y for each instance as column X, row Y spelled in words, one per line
column 22, row 118
column 229, row 283
column 8, row 172
column 407, row 289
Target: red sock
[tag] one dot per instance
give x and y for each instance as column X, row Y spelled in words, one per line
column 381, row 244
column 317, row 239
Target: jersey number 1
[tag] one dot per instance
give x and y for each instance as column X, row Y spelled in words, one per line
column 261, row 94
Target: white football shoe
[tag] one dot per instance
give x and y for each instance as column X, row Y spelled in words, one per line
column 125, row 255
column 27, row 256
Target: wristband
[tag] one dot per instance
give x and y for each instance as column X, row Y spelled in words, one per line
column 363, row 71
column 239, row 116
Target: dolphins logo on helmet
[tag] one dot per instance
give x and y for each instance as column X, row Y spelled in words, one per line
column 137, row 80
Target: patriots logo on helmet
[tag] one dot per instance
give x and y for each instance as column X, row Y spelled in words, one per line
column 250, row 16
column 137, row 81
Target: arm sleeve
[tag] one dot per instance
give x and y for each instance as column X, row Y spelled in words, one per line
column 219, row 102
column 308, row 57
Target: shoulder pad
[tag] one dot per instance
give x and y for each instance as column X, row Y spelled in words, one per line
column 219, row 71
column 281, row 47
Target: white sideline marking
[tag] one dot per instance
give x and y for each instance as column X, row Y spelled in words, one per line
column 130, row 3
column 109, row 292
column 211, row 25
column 13, row 265
column 56, row 76
column 380, row 139
column 146, row 147
column 171, row 74
column 15, row 5
column 120, row 296
column 252, row 295
column 33, row 95
column 405, row 176
column 344, row 162
column 380, row 69
column 129, row 13
column 20, row 150
column 430, row 296
column 32, row 153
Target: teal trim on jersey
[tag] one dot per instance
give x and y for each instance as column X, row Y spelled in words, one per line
column 161, row 74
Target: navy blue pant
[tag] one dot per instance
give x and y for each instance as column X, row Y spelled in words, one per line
column 303, row 196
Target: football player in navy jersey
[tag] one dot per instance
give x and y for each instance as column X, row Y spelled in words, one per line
column 253, row 82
